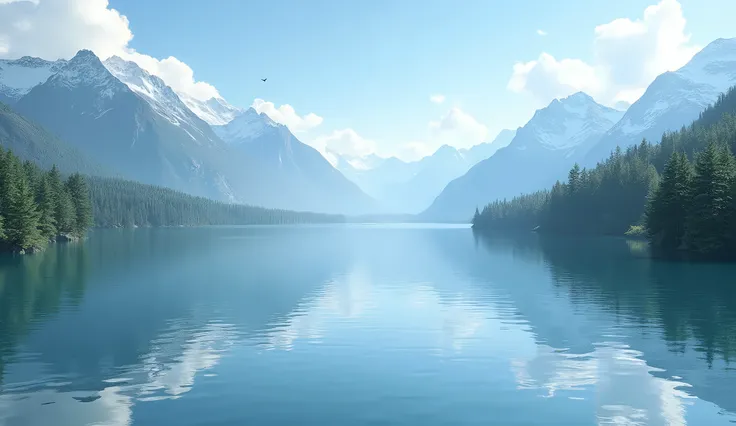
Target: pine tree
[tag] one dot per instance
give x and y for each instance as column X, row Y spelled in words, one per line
column 668, row 208
column 476, row 216
column 707, row 222
column 79, row 194
column 46, row 205
column 573, row 179
column 22, row 216
column 63, row 207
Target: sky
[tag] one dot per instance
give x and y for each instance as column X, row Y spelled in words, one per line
column 382, row 77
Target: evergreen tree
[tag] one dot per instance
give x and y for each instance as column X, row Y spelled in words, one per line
column 668, row 207
column 47, row 206
column 22, row 216
column 707, row 222
column 63, row 207
column 82, row 207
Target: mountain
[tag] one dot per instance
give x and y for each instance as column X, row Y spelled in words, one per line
column 19, row 76
column 296, row 173
column 541, row 152
column 164, row 101
column 674, row 99
column 143, row 134
column 31, row 142
column 215, row 111
column 480, row 152
column 410, row 187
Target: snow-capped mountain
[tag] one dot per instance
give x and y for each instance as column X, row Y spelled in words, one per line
column 101, row 116
column 541, row 152
column 160, row 97
column 215, row 111
column 297, row 174
column 245, row 127
column 674, row 99
column 19, row 76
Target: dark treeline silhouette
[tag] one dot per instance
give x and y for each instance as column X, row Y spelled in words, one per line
column 38, row 207
column 121, row 203
column 690, row 208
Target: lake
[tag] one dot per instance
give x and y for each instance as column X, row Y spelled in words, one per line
column 362, row 325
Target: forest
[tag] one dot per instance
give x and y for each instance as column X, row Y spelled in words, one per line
column 123, row 203
column 680, row 193
column 38, row 207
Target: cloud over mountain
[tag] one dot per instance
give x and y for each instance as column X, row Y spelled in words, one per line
column 53, row 29
column 627, row 56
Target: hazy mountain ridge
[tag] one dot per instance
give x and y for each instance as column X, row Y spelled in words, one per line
column 540, row 153
column 298, row 172
column 410, row 187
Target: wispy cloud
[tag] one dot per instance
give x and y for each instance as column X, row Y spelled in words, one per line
column 541, row 33
column 438, row 99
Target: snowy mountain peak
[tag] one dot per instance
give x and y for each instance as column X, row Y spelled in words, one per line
column 86, row 69
column 215, row 111
column 162, row 98
column 19, row 76
column 566, row 123
column 674, row 99
column 246, row 126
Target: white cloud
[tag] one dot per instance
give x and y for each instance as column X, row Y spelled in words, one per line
column 628, row 55
column 286, row 115
column 541, row 33
column 455, row 128
column 343, row 142
column 54, row 29
column 438, row 99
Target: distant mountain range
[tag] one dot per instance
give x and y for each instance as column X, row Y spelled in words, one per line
column 114, row 118
column 410, row 187
column 540, row 153
column 127, row 120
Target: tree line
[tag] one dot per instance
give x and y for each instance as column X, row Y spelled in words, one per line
column 38, row 207
column 122, row 203
column 679, row 193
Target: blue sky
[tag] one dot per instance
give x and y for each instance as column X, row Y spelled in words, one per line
column 368, row 68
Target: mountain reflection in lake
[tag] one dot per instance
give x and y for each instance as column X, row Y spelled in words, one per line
column 361, row 325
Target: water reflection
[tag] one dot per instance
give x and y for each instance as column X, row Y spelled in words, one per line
column 321, row 325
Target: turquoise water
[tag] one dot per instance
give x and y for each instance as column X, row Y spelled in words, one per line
column 362, row 325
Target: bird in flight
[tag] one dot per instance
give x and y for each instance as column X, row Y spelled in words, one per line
column 264, row 79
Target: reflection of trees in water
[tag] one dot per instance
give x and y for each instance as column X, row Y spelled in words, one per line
column 685, row 300
column 33, row 287
column 143, row 281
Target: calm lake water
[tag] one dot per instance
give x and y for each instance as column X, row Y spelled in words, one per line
column 362, row 325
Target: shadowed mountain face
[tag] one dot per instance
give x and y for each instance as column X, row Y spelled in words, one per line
column 541, row 153
column 296, row 173
column 100, row 116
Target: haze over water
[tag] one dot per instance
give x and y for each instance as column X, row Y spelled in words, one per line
column 362, row 325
